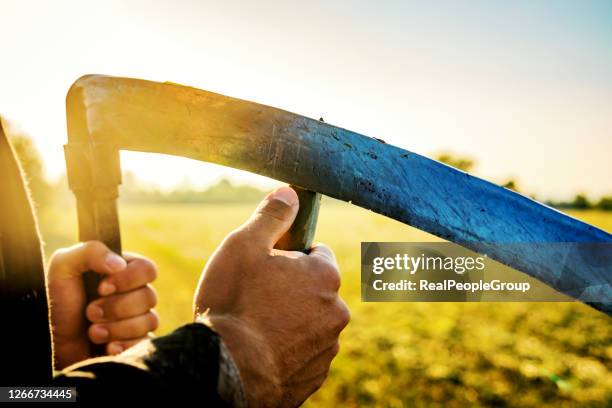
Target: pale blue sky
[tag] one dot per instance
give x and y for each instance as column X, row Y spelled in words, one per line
column 523, row 87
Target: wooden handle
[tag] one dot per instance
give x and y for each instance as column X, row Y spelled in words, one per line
column 107, row 231
column 94, row 174
column 300, row 235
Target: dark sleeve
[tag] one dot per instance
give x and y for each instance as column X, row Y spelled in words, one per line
column 181, row 365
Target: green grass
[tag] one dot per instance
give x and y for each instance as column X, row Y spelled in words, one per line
column 393, row 354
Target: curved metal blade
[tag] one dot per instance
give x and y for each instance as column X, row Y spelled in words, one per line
column 172, row 119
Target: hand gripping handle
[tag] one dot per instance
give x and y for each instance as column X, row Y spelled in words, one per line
column 94, row 174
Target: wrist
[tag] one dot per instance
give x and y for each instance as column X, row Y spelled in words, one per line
column 252, row 357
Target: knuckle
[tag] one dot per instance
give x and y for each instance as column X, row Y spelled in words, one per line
column 151, row 296
column 110, row 348
column 60, row 257
column 91, row 333
column 343, row 315
column 151, row 269
column 336, row 348
column 146, row 267
column 333, row 276
column 56, row 256
column 330, row 274
column 56, row 261
column 326, row 253
column 153, row 320
column 90, row 313
column 91, row 248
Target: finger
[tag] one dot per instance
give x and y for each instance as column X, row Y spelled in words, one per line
column 288, row 254
column 321, row 264
column 138, row 273
column 130, row 256
column 86, row 256
column 322, row 251
column 273, row 217
column 116, row 347
column 122, row 305
column 126, row 329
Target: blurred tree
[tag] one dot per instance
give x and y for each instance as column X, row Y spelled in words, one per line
column 462, row 163
column 605, row 203
column 132, row 190
column 511, row 185
column 225, row 191
column 580, row 202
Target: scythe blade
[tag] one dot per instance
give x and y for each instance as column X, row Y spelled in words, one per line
column 167, row 118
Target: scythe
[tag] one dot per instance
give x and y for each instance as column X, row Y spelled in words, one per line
column 107, row 114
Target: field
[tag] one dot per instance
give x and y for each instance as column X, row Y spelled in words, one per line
column 393, row 354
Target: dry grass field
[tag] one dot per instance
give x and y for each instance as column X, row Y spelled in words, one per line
column 393, row 354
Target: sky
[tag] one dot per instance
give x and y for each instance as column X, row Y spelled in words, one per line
column 523, row 87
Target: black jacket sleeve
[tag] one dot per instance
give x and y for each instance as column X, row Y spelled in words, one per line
column 182, row 366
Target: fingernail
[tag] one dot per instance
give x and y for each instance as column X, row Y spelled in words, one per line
column 114, row 262
column 286, row 195
column 106, row 288
column 100, row 333
column 96, row 312
column 115, row 348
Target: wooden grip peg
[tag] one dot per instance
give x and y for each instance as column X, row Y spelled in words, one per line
column 300, row 235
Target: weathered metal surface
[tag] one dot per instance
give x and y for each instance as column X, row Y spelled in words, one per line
column 167, row 118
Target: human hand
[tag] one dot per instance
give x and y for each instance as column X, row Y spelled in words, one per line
column 277, row 312
column 121, row 317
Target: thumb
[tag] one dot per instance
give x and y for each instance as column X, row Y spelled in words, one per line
column 273, row 217
column 92, row 255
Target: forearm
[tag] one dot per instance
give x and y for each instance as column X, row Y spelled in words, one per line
column 190, row 361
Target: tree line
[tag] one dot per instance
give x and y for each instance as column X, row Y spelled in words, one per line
column 579, row 202
column 45, row 193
